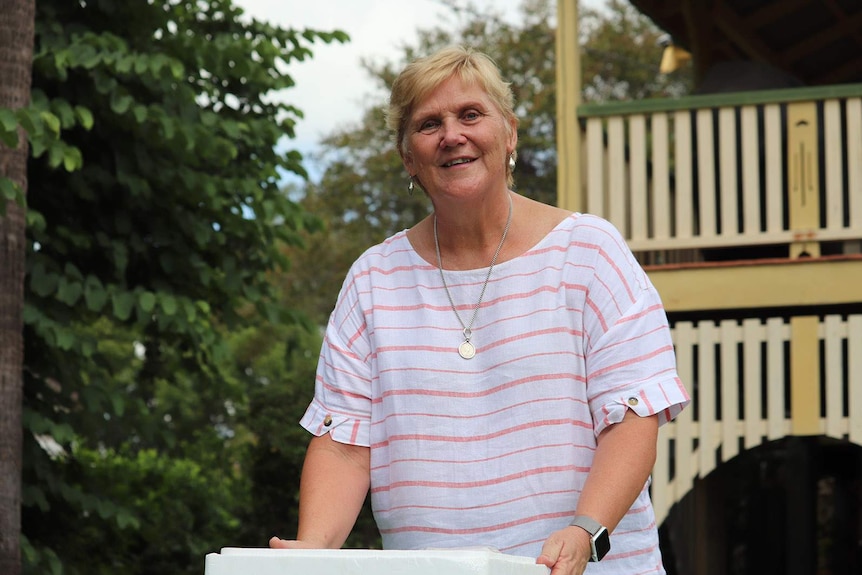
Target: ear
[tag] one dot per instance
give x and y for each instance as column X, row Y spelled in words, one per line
column 512, row 142
column 407, row 160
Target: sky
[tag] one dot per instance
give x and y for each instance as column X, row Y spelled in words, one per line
column 331, row 88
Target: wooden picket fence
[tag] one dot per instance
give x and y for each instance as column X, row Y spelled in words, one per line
column 678, row 176
column 738, row 376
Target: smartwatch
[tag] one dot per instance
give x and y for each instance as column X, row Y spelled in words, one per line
column 600, row 541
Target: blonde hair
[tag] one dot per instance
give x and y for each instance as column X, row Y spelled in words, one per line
column 424, row 75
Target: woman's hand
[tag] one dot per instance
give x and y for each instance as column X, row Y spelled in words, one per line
column 276, row 543
column 566, row 552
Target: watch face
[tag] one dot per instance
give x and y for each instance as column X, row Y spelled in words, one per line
column 602, row 542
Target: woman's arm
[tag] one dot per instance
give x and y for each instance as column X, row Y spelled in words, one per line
column 624, row 458
column 334, row 483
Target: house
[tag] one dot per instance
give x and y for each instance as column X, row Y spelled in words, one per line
column 744, row 203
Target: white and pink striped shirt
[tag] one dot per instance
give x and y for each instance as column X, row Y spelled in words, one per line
column 493, row 451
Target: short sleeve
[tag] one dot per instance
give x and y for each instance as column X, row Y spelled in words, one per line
column 630, row 358
column 342, row 391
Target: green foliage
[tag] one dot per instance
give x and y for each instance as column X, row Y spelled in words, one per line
column 155, row 221
column 174, row 511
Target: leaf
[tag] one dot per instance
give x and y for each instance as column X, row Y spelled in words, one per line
column 147, row 301
column 120, row 103
column 122, row 304
column 140, row 113
column 119, row 403
column 95, row 294
column 51, row 121
column 177, row 69
column 126, row 519
column 65, row 338
column 32, row 315
column 56, row 154
column 35, row 220
column 42, row 282
column 72, row 159
column 85, row 117
column 124, row 64
column 191, row 311
column 10, row 191
column 8, row 128
column 69, row 292
column 168, row 304
column 72, row 271
column 37, row 148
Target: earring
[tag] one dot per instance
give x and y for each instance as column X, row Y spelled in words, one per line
column 410, row 186
column 512, row 162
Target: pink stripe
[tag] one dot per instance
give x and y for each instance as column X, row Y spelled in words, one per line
column 393, row 270
column 339, row 391
column 483, row 483
column 472, row 416
column 490, row 368
column 485, row 506
column 646, row 400
column 530, row 334
column 358, row 334
column 633, row 360
column 468, row 394
column 474, row 530
column 644, row 312
column 484, row 459
column 592, row 305
column 480, row 438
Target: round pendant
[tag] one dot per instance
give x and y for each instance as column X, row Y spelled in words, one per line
column 467, row 350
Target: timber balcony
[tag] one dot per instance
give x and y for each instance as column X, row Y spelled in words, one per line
column 746, row 211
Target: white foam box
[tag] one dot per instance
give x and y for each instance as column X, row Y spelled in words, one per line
column 247, row 561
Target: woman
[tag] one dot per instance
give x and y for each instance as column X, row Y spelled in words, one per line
column 497, row 370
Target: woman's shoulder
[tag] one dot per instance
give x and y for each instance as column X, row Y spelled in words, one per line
column 395, row 246
column 392, row 254
column 596, row 228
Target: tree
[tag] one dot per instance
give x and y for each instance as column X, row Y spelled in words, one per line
column 16, row 53
column 155, row 220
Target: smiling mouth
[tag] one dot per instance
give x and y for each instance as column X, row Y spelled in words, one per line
column 457, row 162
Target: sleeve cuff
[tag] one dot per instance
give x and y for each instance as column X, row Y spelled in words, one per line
column 666, row 400
column 343, row 428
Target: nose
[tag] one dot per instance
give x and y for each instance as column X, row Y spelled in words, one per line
column 451, row 133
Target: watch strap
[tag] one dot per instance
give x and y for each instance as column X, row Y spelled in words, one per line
column 588, row 524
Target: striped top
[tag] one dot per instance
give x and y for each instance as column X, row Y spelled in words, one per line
column 493, row 451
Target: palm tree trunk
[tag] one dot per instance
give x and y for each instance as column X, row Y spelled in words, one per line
column 17, row 25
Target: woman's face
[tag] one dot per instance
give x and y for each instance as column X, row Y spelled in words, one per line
column 458, row 142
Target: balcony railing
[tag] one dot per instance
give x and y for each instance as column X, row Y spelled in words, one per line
column 747, row 390
column 684, row 178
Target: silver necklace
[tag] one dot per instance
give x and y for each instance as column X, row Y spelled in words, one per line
column 467, row 350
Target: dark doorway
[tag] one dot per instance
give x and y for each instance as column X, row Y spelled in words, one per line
column 789, row 507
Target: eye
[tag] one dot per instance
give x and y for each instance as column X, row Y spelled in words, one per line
column 428, row 126
column 471, row 115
